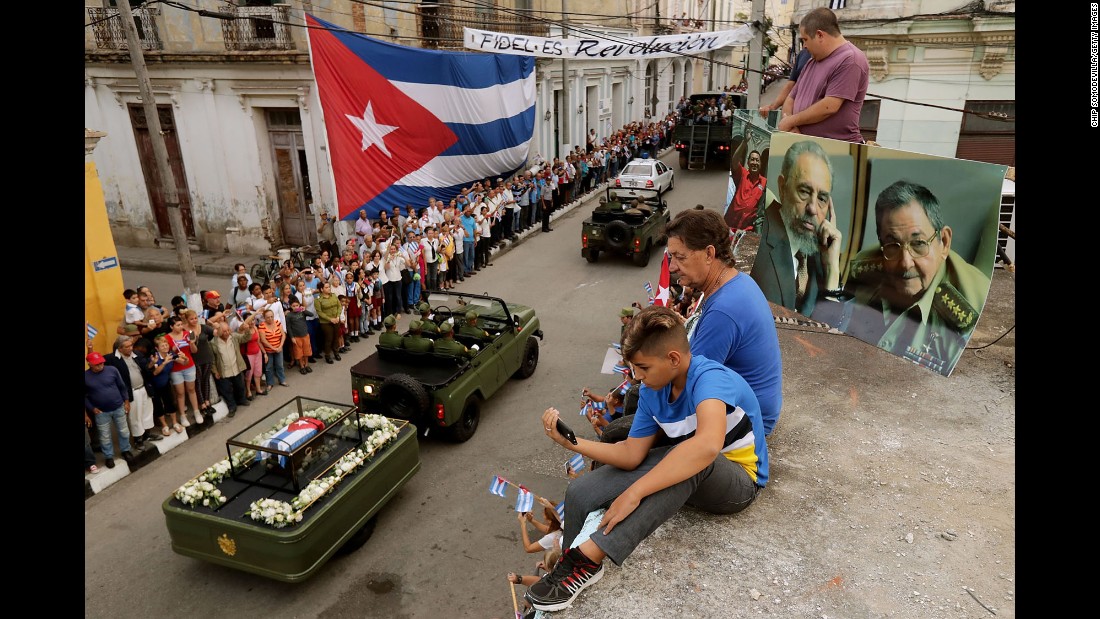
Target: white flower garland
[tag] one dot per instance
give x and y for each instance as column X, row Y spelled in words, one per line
column 202, row 490
column 275, row 513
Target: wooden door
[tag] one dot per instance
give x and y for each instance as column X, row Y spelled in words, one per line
column 149, row 168
column 291, row 177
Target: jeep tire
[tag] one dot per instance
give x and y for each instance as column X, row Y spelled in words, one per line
column 593, row 255
column 357, row 539
column 530, row 359
column 618, row 234
column 464, row 428
column 404, row 397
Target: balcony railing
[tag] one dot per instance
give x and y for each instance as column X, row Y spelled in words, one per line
column 257, row 27
column 441, row 24
column 109, row 34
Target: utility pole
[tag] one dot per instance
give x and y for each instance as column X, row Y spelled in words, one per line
column 160, row 153
column 567, row 110
column 756, row 49
column 710, row 54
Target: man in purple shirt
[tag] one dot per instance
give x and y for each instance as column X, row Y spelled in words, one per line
column 828, row 96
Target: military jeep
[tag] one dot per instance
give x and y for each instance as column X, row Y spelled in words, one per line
column 445, row 392
column 624, row 225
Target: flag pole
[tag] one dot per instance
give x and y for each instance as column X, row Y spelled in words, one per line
column 515, row 605
column 517, row 486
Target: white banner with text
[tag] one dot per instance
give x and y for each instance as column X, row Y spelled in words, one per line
column 605, row 47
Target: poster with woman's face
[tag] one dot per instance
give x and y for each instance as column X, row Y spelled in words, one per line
column 892, row 247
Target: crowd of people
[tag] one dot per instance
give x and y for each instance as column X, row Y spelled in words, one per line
column 167, row 360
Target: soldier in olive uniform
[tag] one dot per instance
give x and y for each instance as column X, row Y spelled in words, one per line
column 428, row 325
column 414, row 341
column 446, row 343
column 625, row 315
column 471, row 329
column 390, row 338
column 913, row 296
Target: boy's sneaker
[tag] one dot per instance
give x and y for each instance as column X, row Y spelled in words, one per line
column 559, row 588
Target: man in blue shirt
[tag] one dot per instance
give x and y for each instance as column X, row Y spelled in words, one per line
column 105, row 398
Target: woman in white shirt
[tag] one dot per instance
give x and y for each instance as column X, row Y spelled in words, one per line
column 392, row 265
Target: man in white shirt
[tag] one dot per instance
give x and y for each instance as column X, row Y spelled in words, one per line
column 363, row 227
column 430, row 246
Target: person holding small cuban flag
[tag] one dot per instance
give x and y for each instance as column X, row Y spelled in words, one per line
column 551, row 528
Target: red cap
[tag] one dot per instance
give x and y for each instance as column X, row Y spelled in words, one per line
column 95, row 358
column 213, row 294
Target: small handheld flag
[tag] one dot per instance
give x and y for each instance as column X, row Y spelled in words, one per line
column 498, row 485
column 622, row 368
column 525, row 501
column 560, row 509
column 92, row 332
column 624, row 387
column 576, row 463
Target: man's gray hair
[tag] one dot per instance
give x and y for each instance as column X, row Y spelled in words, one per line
column 901, row 193
column 120, row 340
column 799, row 148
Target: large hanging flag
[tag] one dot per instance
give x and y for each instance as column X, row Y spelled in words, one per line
column 662, row 284
column 405, row 124
column 525, row 501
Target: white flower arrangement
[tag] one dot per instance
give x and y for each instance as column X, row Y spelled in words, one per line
column 202, row 490
column 275, row 513
column 196, row 492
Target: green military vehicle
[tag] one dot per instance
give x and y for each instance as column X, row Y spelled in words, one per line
column 300, row 485
column 698, row 142
column 444, row 391
column 624, row 225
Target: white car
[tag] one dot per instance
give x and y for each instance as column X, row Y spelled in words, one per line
column 644, row 174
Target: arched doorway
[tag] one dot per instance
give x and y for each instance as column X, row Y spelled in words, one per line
column 687, row 78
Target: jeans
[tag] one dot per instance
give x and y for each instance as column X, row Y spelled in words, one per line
column 231, row 390
column 89, row 455
column 517, row 218
column 723, row 487
column 468, row 254
column 413, row 297
column 103, row 423
column 274, row 367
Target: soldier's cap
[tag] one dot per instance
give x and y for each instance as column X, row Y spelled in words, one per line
column 424, row 307
column 626, row 312
column 130, row 328
column 416, row 325
column 389, row 321
column 471, row 315
column 445, row 328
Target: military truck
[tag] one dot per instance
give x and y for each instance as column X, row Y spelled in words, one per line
column 699, row 142
column 298, row 486
column 625, row 225
column 444, row 391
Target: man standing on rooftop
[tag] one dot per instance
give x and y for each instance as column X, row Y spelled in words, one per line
column 827, row 99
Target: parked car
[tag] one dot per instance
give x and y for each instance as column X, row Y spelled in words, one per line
column 644, row 174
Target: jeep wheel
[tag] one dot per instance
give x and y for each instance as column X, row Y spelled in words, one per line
column 357, row 539
column 404, row 397
column 618, row 234
column 530, row 359
column 466, row 425
column 683, row 160
column 641, row 258
column 593, row 255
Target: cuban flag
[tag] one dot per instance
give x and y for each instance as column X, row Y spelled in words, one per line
column 406, row 124
column 560, row 509
column 291, row 437
column 663, row 283
column 576, row 463
column 525, row 501
column 498, row 485
column 625, row 369
column 648, row 289
column 624, row 387
column 584, row 409
column 92, row 332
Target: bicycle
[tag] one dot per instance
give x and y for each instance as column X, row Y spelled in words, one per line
column 266, row 273
column 303, row 256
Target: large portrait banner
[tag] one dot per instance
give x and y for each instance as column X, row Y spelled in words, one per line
column 892, row 247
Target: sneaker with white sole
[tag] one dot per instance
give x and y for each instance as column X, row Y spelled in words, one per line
column 199, row 418
column 184, row 422
column 559, row 588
